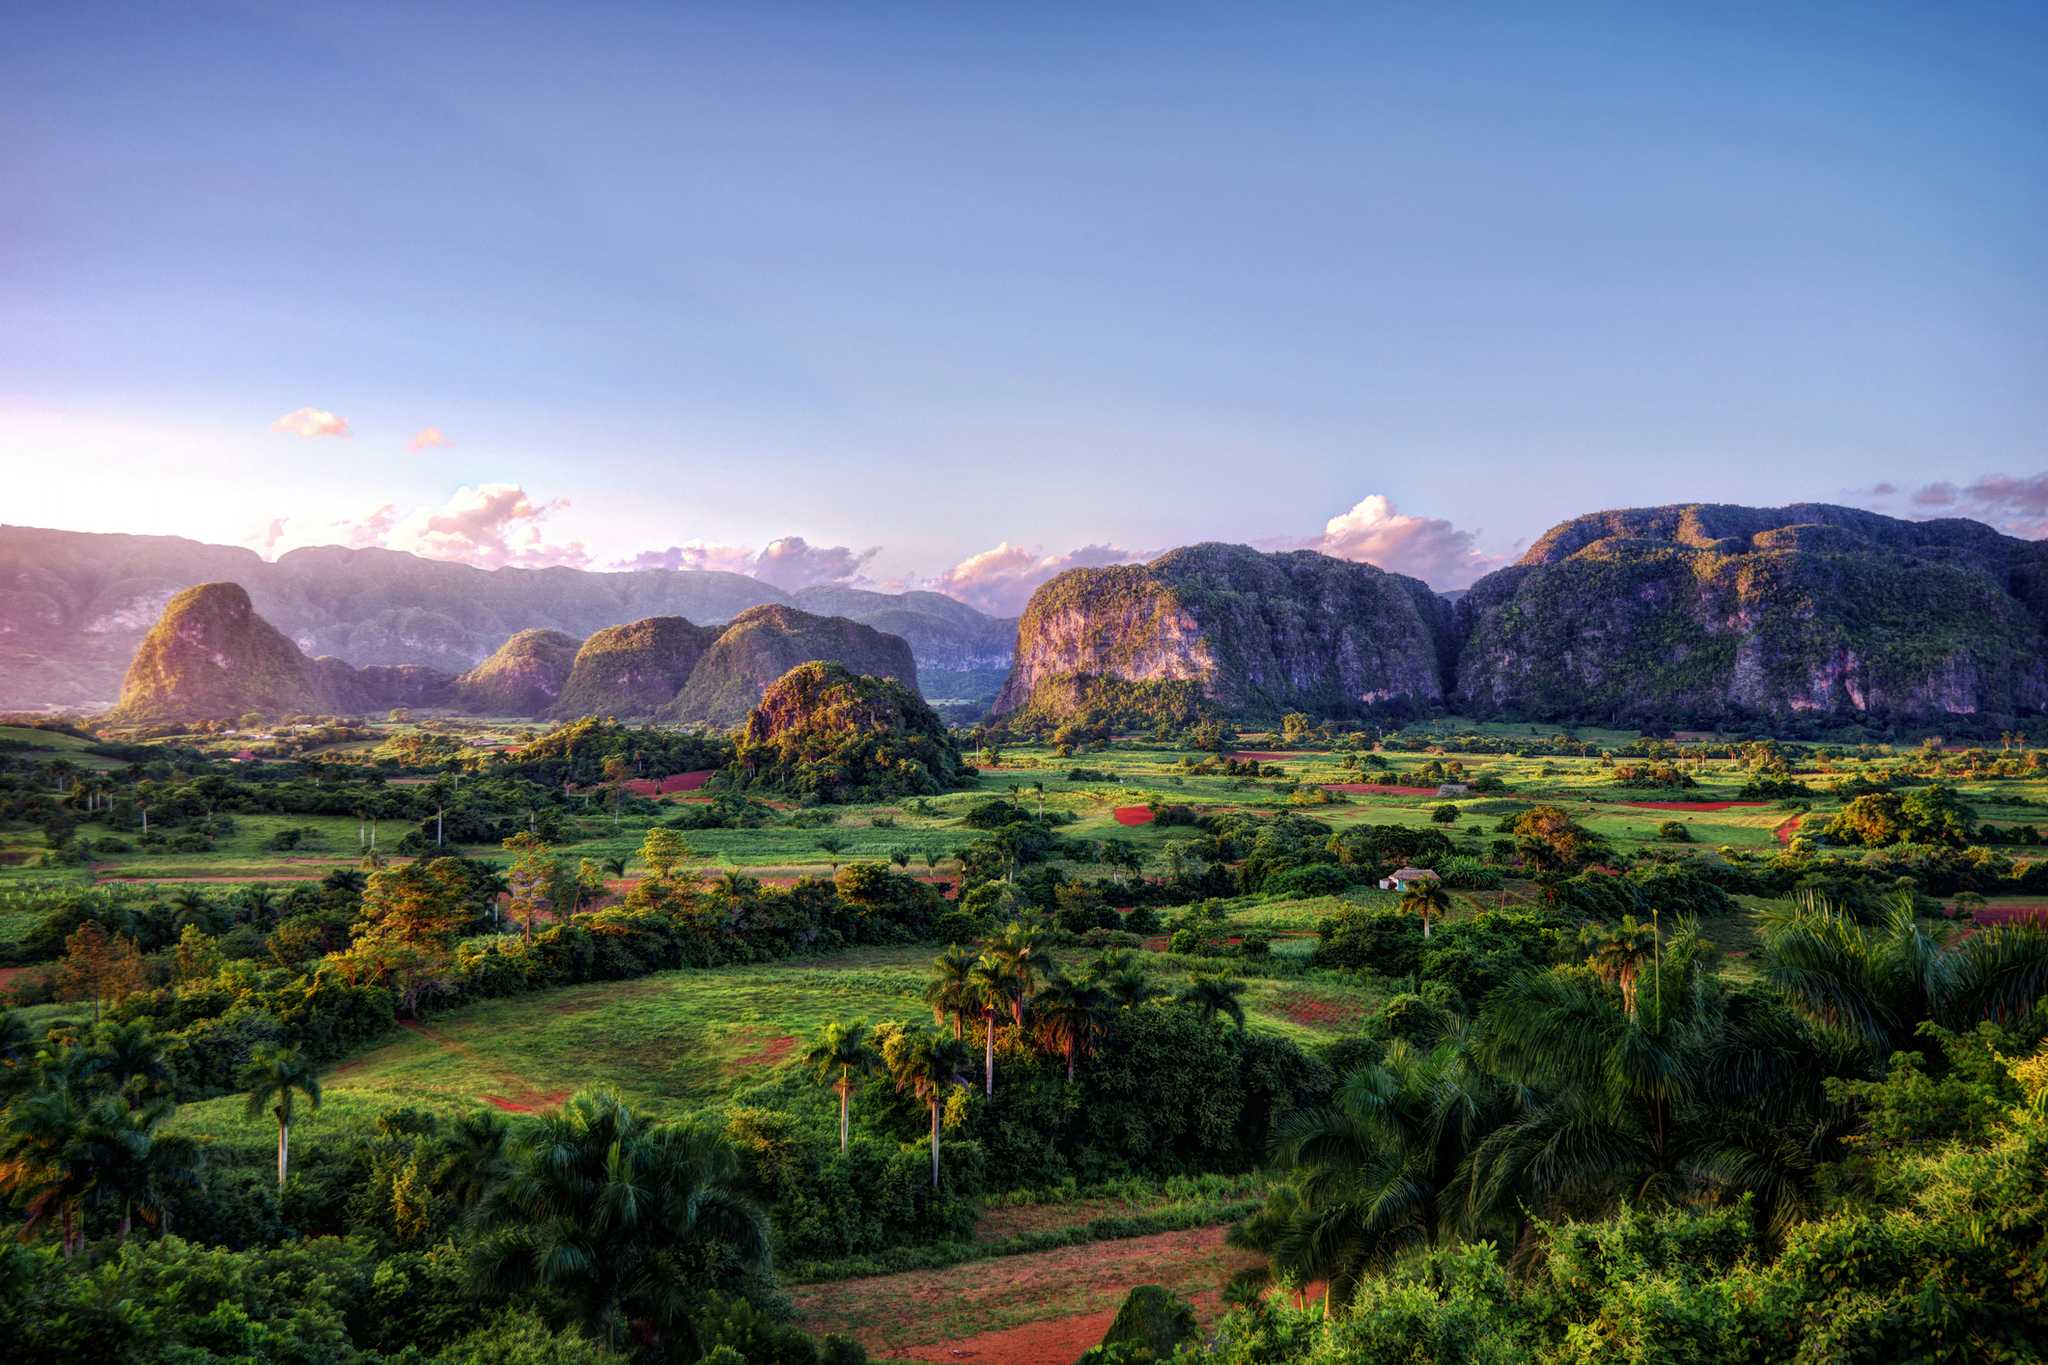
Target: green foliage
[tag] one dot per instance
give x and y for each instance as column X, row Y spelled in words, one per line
column 823, row 732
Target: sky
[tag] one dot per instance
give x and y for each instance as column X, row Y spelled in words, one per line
column 956, row 295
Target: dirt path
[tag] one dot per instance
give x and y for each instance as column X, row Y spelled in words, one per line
column 520, row 1097
column 1786, row 829
column 1041, row 1309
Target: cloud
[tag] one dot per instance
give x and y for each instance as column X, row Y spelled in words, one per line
column 426, row 438
column 492, row 526
column 312, row 422
column 1941, row 494
column 792, row 562
column 1001, row 580
column 788, row 562
column 1428, row 548
column 2015, row 504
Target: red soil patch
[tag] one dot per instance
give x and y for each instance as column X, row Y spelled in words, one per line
column 1691, row 805
column 668, row 786
column 1786, row 829
column 2013, row 914
column 775, row 1051
column 1314, row 1011
column 1133, row 815
column 1377, row 789
column 7, row 975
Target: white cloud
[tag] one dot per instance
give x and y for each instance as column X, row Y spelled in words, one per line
column 1428, row 548
column 789, row 562
column 426, row 438
column 312, row 422
column 1001, row 580
column 492, row 526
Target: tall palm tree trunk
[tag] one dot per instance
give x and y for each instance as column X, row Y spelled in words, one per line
column 988, row 1071
column 843, row 1098
column 935, row 1143
column 284, row 1151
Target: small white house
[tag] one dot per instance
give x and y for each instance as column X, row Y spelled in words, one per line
column 1403, row 878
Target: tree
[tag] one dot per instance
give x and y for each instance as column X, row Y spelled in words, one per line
column 136, row 1168
column 840, row 1057
column 1426, row 897
column 1550, row 841
column 927, row 1065
column 1618, row 955
column 532, row 879
column 616, row 773
column 624, row 1223
column 665, row 852
column 950, row 990
column 274, row 1078
column 98, row 966
column 1445, row 814
column 1123, row 983
column 1296, row 727
column 832, row 844
column 989, row 984
column 42, row 1167
column 1070, row 1015
column 1212, row 994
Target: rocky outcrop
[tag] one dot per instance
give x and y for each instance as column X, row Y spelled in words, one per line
column 1252, row 633
column 74, row 606
column 210, row 656
column 523, row 677
column 764, row 643
column 634, row 669
column 1705, row 612
column 823, row 731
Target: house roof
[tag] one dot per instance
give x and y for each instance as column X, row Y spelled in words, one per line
column 1409, row 874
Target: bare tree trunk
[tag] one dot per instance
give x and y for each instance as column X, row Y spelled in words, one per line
column 842, row 1115
column 284, row 1151
column 935, row 1143
column 989, row 1062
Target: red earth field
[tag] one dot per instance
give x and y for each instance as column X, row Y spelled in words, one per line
column 1133, row 815
column 668, row 786
column 1041, row 1309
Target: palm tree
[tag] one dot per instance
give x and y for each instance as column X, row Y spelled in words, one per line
column 128, row 1057
column 1618, row 954
column 989, row 988
column 840, row 1057
column 928, row 1067
column 193, row 907
column 1122, row 981
column 42, row 1167
column 950, row 991
column 474, row 1156
column 258, row 903
column 136, row 1169
column 1426, row 897
column 613, row 865
column 1070, row 1016
column 626, row 1222
column 1014, row 948
column 274, row 1078
column 1875, row 985
column 1212, row 994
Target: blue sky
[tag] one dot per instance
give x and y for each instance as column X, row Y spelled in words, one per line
column 684, row 280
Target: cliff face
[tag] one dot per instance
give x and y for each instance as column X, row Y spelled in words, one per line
column 633, row 670
column 764, row 643
column 211, row 657
column 1705, row 612
column 74, row 606
column 523, row 677
column 1255, row 633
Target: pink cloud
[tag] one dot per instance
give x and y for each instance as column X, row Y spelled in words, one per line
column 1001, row 580
column 1428, row 548
column 696, row 554
column 493, row 526
column 788, row 562
column 426, row 438
column 312, row 422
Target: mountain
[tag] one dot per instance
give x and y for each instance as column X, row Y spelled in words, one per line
column 523, row 676
column 822, row 731
column 1251, row 633
column 635, row 669
column 1702, row 612
column 763, row 643
column 961, row 654
column 74, row 605
column 210, row 656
